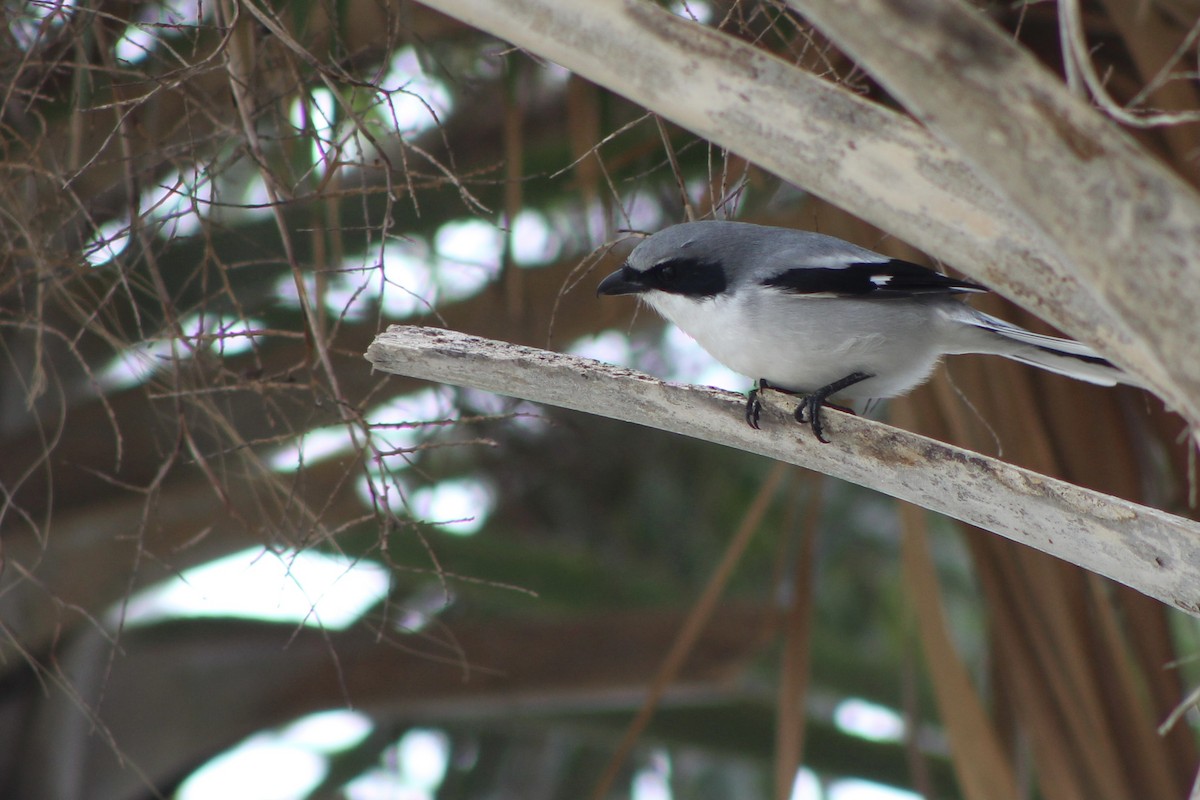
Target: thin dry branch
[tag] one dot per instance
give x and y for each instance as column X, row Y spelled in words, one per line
column 1074, row 34
column 1149, row 550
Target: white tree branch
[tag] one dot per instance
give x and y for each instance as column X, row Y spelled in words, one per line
column 871, row 161
column 1149, row 550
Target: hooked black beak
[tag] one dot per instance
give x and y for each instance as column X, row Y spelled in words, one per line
column 623, row 281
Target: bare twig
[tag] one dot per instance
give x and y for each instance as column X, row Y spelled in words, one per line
column 1079, row 63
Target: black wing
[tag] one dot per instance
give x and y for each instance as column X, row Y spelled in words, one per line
column 893, row 278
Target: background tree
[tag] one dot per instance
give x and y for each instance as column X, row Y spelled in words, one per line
column 209, row 211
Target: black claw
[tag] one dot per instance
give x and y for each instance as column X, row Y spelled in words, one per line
column 809, row 410
column 754, row 406
column 753, row 409
column 809, row 413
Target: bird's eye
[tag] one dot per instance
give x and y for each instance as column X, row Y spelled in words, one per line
column 668, row 272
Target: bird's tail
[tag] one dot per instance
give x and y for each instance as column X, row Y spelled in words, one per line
column 1064, row 356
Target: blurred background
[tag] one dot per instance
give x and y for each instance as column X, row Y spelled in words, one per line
column 236, row 563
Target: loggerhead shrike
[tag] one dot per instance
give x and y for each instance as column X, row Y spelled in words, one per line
column 816, row 316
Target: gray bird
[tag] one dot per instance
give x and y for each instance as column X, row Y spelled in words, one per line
column 818, row 317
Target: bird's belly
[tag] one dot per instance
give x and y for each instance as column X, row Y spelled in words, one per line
column 820, row 342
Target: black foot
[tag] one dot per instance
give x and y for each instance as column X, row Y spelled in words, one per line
column 809, row 410
column 753, row 405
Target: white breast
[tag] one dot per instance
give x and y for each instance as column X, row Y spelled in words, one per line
column 804, row 343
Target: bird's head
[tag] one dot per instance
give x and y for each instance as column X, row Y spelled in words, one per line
column 680, row 260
